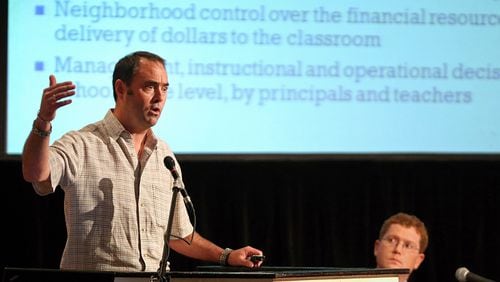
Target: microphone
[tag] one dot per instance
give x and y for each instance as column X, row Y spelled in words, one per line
column 464, row 275
column 178, row 187
column 170, row 164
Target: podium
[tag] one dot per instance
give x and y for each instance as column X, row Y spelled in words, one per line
column 212, row 274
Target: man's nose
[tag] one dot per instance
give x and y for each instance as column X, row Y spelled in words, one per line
column 159, row 94
column 398, row 247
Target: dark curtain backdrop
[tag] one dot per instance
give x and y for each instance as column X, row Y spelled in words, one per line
column 301, row 213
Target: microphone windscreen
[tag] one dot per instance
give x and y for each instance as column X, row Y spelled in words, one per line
column 461, row 274
column 169, row 162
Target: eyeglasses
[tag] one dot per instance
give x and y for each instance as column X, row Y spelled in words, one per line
column 407, row 246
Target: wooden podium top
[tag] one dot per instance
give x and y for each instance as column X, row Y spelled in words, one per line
column 212, row 274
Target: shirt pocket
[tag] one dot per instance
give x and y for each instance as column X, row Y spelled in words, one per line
column 162, row 198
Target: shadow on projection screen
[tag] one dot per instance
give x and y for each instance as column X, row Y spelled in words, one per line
column 294, row 77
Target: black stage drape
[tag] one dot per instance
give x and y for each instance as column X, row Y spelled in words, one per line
column 301, row 213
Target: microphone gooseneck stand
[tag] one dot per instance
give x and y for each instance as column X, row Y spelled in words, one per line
column 178, row 187
column 162, row 270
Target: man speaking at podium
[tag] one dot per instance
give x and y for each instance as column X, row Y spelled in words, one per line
column 402, row 242
column 117, row 190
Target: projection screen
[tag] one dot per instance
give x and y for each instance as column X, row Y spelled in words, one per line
column 272, row 77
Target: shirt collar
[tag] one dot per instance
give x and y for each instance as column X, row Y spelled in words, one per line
column 115, row 129
column 113, row 125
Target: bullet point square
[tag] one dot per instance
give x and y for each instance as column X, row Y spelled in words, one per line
column 39, row 10
column 39, row 66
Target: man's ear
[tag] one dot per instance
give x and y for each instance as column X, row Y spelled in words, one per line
column 419, row 260
column 376, row 247
column 120, row 88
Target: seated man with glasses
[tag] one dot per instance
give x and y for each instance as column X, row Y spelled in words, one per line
column 402, row 242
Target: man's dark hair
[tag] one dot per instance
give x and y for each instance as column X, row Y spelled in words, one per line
column 126, row 67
